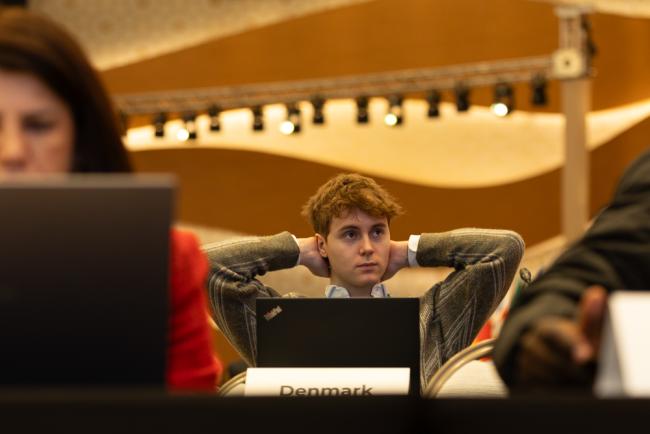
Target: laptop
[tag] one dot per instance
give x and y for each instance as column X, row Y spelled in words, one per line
column 340, row 332
column 84, row 280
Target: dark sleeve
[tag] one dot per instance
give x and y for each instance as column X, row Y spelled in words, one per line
column 614, row 253
column 233, row 287
column 453, row 311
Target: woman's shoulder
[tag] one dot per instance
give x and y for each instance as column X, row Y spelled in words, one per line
column 187, row 262
column 184, row 241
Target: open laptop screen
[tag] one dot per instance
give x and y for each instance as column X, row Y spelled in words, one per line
column 84, row 280
column 347, row 332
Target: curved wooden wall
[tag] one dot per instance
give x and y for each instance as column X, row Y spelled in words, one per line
column 261, row 194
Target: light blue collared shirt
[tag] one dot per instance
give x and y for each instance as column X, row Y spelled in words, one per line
column 334, row 291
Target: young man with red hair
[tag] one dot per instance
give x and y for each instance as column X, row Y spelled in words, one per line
column 351, row 217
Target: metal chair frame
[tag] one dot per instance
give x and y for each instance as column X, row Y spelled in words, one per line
column 460, row 359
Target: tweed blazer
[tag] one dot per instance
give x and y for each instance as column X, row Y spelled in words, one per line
column 451, row 312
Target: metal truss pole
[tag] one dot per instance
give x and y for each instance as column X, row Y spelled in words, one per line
column 571, row 64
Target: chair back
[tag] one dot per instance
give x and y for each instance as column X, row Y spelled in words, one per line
column 234, row 387
column 465, row 375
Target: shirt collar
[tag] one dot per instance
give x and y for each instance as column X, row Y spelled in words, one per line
column 334, row 291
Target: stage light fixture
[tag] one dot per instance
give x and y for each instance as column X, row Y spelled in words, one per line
column 159, row 122
column 318, row 103
column 433, row 98
column 538, row 88
column 394, row 116
column 462, row 97
column 362, row 110
column 214, row 111
column 591, row 48
column 182, row 134
column 504, row 100
column 292, row 124
column 258, row 118
column 188, row 130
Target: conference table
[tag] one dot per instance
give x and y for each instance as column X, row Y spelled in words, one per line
column 113, row 411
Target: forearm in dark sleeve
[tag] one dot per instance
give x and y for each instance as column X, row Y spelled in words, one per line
column 614, row 253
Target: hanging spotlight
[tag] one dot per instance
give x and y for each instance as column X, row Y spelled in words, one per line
column 188, row 131
column 258, row 118
column 190, row 124
column 592, row 50
column 292, row 124
column 159, row 124
column 394, row 115
column 182, row 134
column 362, row 110
column 213, row 112
column 433, row 98
column 462, row 97
column 538, row 87
column 318, row 103
column 504, row 100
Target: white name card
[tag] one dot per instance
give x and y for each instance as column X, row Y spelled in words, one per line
column 326, row 381
column 624, row 363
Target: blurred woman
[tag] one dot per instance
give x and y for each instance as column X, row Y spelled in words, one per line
column 56, row 117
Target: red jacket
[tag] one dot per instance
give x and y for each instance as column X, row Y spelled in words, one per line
column 191, row 360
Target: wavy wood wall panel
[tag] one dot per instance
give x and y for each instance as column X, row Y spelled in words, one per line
column 259, row 193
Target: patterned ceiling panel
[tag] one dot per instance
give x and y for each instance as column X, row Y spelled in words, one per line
column 118, row 32
column 630, row 8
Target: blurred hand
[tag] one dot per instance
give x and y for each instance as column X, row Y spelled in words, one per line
column 397, row 258
column 310, row 257
column 558, row 351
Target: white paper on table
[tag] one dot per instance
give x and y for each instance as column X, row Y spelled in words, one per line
column 326, row 381
column 624, row 361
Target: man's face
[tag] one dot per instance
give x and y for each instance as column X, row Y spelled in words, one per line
column 357, row 247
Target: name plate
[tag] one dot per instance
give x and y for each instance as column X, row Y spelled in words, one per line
column 624, row 361
column 326, row 381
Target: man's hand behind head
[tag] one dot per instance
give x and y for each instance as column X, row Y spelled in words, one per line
column 311, row 258
column 397, row 258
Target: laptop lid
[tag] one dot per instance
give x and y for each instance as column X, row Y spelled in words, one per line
column 84, row 280
column 339, row 332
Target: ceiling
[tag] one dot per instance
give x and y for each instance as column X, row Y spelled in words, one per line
column 629, row 8
column 118, row 32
